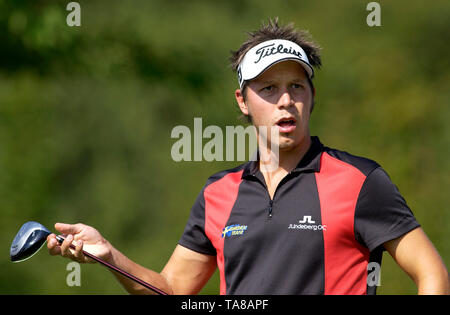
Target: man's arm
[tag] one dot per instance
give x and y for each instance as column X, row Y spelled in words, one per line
column 188, row 271
column 185, row 273
column 417, row 256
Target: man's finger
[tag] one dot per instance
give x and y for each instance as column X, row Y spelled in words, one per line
column 68, row 228
column 65, row 246
column 79, row 251
column 53, row 245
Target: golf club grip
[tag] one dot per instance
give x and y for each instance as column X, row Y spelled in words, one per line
column 117, row 269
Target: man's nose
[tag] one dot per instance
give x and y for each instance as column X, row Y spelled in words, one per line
column 285, row 99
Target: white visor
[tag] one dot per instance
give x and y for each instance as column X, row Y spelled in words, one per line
column 264, row 55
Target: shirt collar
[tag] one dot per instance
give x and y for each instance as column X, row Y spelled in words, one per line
column 309, row 162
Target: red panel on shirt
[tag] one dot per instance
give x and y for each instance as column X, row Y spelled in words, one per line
column 220, row 197
column 339, row 184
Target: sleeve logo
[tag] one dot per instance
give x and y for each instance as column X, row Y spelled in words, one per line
column 233, row 230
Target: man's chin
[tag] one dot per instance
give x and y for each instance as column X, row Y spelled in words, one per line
column 286, row 146
column 287, row 143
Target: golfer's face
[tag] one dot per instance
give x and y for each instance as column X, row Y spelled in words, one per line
column 281, row 98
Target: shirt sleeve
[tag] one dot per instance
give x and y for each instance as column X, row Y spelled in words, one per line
column 381, row 212
column 194, row 236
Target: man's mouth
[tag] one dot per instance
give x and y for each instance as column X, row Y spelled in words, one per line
column 286, row 124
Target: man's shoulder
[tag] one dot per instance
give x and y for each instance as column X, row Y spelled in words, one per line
column 235, row 172
column 363, row 164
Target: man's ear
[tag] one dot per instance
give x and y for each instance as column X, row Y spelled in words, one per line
column 241, row 101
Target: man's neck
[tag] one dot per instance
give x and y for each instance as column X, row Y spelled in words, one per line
column 288, row 160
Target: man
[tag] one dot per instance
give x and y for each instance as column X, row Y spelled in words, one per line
column 311, row 225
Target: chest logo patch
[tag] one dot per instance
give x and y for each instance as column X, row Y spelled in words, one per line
column 307, row 223
column 233, row 230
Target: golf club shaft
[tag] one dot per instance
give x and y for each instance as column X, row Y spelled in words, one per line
column 117, row 269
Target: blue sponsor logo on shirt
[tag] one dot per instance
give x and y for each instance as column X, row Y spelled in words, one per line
column 235, row 229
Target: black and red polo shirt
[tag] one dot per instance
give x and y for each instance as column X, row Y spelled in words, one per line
column 326, row 222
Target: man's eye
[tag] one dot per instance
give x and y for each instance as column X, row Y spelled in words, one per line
column 267, row 88
column 296, row 86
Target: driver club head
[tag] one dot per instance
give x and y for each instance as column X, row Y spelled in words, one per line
column 30, row 238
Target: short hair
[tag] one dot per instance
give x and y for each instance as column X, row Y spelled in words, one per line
column 272, row 30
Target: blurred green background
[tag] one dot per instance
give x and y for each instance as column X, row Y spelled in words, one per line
column 86, row 115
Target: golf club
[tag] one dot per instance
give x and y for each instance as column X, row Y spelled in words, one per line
column 32, row 235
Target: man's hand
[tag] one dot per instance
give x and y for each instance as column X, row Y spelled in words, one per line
column 82, row 237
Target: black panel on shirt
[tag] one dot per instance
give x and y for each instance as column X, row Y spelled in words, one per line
column 271, row 258
column 381, row 212
column 194, row 236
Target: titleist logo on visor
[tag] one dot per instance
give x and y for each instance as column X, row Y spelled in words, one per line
column 268, row 53
column 270, row 50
